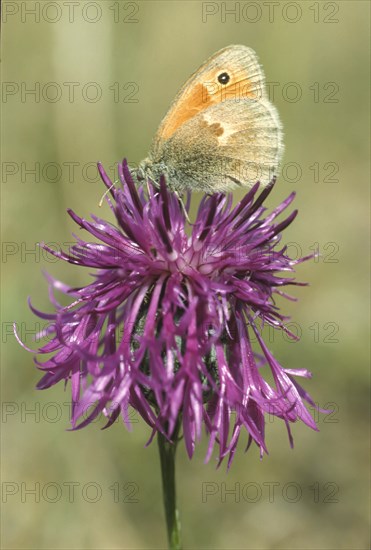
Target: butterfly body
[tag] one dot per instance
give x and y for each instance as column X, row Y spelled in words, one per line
column 221, row 131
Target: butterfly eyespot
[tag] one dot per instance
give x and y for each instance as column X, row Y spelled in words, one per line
column 224, row 78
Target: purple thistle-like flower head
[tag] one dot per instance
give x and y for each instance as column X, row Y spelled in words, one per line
column 167, row 324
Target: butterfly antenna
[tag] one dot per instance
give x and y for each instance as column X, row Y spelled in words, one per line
column 106, row 193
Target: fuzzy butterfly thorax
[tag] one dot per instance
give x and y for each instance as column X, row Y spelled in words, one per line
column 148, row 169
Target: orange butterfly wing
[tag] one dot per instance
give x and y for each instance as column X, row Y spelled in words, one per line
column 202, row 89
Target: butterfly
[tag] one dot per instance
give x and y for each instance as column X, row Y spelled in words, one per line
column 221, row 131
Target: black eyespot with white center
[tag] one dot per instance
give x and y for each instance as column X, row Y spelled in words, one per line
column 224, row 78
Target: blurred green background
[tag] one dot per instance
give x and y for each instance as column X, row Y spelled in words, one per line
column 103, row 75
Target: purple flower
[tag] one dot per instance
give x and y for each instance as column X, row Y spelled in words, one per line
column 168, row 322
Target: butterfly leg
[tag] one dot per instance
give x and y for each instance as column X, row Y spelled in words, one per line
column 182, row 205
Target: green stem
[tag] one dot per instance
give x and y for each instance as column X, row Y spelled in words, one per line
column 167, row 458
